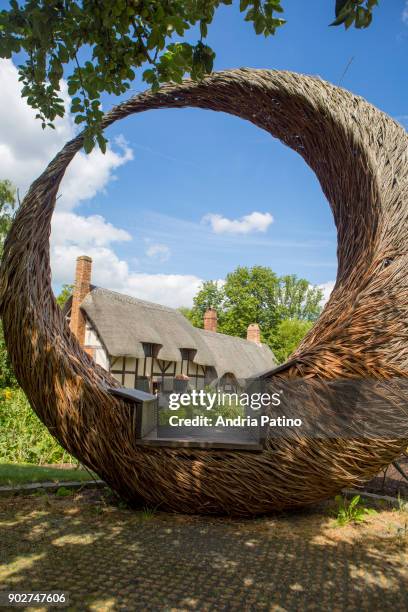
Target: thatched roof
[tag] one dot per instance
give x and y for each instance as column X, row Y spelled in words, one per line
column 124, row 323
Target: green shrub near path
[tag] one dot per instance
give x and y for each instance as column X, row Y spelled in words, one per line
column 23, row 438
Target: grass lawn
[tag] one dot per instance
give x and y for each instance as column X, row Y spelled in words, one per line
column 24, row 473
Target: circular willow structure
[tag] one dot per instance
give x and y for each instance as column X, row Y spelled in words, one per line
column 359, row 156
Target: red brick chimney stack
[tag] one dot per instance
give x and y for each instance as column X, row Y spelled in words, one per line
column 210, row 320
column 81, row 288
column 254, row 333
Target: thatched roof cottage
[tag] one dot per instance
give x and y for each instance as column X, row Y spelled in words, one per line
column 153, row 347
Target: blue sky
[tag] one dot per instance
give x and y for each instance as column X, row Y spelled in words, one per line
column 191, row 163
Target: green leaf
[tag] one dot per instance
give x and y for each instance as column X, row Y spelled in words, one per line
column 149, row 75
column 243, row 5
column 341, row 5
column 349, row 21
column 343, row 17
column 102, row 142
column 63, row 53
column 259, row 24
column 73, row 87
column 370, row 511
column 117, row 39
column 89, row 143
column 354, row 501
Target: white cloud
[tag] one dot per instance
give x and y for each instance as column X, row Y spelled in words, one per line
column 254, row 222
column 26, row 149
column 111, row 272
column 89, row 174
column 107, row 269
column 70, row 228
column 327, row 288
column 159, row 252
column 405, row 13
column 170, row 289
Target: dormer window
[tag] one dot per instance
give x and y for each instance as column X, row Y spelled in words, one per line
column 188, row 354
column 150, row 349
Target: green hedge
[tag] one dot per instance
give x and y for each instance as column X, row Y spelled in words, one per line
column 23, row 438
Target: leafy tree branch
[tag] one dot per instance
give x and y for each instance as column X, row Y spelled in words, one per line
column 116, row 39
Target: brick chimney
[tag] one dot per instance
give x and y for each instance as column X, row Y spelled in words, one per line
column 81, row 288
column 210, row 320
column 254, row 333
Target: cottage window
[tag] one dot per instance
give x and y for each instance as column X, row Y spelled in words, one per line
column 188, row 354
column 150, row 349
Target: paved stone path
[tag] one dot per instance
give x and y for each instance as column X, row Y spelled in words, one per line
column 110, row 558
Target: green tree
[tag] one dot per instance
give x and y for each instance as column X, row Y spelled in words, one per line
column 210, row 295
column 287, row 336
column 258, row 295
column 7, row 378
column 250, row 297
column 297, row 299
column 186, row 312
column 98, row 46
column 7, row 207
column 64, row 295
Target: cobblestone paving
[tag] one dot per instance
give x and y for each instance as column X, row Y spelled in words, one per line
column 111, row 558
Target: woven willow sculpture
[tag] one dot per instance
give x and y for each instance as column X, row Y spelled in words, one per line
column 360, row 158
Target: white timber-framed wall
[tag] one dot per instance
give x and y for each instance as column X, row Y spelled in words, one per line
column 94, row 346
column 150, row 372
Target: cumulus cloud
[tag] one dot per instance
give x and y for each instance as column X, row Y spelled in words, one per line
column 25, row 151
column 405, row 13
column 25, row 148
column 170, row 289
column 89, row 174
column 69, row 228
column 110, row 271
column 158, row 252
column 326, row 288
column 254, row 222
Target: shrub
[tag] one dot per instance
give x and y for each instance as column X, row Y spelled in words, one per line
column 353, row 511
column 24, row 439
column 7, row 378
column 287, row 337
